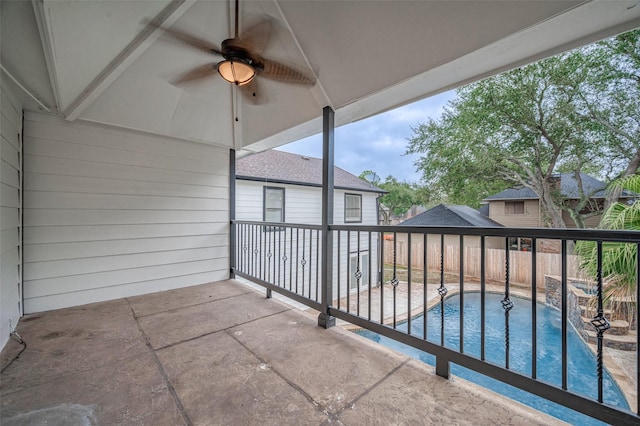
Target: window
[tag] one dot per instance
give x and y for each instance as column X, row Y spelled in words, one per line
column 514, row 207
column 361, row 265
column 352, row 208
column 273, row 204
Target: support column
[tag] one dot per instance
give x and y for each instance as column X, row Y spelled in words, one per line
column 232, row 213
column 324, row 319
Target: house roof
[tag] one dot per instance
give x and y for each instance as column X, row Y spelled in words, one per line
column 284, row 167
column 451, row 215
column 98, row 61
column 568, row 189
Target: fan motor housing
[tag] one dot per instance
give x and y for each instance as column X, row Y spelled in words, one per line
column 232, row 51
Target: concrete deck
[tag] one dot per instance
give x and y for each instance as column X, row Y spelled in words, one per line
column 221, row 353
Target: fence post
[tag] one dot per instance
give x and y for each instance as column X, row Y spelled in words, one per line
column 324, row 319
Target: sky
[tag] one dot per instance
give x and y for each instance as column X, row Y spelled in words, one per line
column 377, row 143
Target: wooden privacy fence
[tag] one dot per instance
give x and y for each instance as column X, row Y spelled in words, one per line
column 520, row 262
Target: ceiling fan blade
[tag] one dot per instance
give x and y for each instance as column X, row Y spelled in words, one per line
column 256, row 37
column 189, row 39
column 275, row 70
column 251, row 93
column 203, row 71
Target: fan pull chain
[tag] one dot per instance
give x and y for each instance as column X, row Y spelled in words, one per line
column 235, row 103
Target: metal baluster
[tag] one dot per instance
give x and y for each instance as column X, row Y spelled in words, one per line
column 563, row 310
column 270, row 231
column 534, row 310
column 303, row 261
column 282, row 272
column 317, row 262
column 358, row 276
column 507, row 304
column 277, row 267
column 310, row 260
column 290, row 260
column 600, row 322
column 442, row 290
column 382, row 280
column 254, row 244
column 348, row 271
column 369, row 279
column 461, row 293
column 394, row 281
column 261, row 255
column 339, row 262
column 297, row 256
column 483, row 291
column 409, row 283
column 425, row 276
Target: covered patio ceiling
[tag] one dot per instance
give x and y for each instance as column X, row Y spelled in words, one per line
column 98, row 61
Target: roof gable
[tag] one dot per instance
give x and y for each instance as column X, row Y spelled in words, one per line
column 284, row 167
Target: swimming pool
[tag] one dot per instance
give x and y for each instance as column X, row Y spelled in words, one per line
column 581, row 361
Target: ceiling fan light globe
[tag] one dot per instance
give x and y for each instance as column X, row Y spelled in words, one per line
column 236, row 72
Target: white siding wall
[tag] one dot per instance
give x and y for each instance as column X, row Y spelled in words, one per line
column 110, row 213
column 10, row 167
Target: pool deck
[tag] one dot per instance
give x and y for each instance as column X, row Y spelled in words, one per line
column 222, row 353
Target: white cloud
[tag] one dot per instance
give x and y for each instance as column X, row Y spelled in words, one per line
column 378, row 143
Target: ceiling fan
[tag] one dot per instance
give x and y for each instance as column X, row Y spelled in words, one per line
column 242, row 60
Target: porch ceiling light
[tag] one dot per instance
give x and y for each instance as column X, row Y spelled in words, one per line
column 236, row 71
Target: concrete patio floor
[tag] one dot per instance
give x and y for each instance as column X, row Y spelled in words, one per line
column 222, row 353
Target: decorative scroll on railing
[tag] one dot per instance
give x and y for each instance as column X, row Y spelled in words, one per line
column 414, row 302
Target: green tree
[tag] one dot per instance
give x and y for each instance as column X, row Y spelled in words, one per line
column 400, row 197
column 618, row 259
column 523, row 126
column 609, row 102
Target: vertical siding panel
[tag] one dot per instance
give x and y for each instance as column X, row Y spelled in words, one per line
column 112, row 213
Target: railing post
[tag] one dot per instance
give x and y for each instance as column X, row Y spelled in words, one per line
column 324, row 319
column 232, row 213
column 442, row 367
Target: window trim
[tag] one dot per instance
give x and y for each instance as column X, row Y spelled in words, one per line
column 264, row 201
column 347, row 220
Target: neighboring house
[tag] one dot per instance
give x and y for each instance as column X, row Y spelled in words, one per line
column 396, row 246
column 454, row 215
column 519, row 207
column 277, row 186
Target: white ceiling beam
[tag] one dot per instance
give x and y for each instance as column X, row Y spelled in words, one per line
column 129, row 54
column 47, row 47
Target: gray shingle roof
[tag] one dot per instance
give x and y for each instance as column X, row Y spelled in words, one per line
column 284, row 167
column 568, row 189
column 451, row 215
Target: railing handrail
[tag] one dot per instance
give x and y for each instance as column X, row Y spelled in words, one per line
column 542, row 233
column 276, row 224
column 626, row 236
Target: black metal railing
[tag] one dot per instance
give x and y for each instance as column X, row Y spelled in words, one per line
column 386, row 278
column 282, row 257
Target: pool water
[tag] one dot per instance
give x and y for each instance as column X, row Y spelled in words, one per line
column 581, row 361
